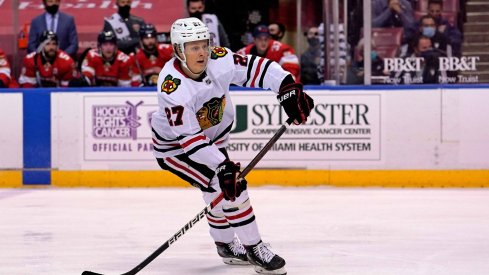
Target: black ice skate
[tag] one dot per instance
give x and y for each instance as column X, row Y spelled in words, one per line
column 264, row 260
column 232, row 253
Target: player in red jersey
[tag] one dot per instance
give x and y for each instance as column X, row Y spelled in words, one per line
column 106, row 65
column 265, row 46
column 48, row 66
column 4, row 71
column 150, row 58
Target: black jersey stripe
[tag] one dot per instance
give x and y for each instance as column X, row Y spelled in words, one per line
column 250, row 66
column 180, row 174
column 197, row 148
column 260, row 84
column 165, row 150
column 227, row 130
column 182, row 137
column 203, row 169
column 159, row 137
column 248, row 221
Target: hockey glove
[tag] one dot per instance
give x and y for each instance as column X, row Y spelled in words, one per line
column 227, row 173
column 296, row 103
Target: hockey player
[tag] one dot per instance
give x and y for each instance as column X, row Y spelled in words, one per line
column 48, row 66
column 149, row 60
column 191, row 131
column 107, row 66
column 277, row 51
column 4, row 71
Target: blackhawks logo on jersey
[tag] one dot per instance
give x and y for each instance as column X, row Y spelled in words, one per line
column 218, row 52
column 170, row 84
column 211, row 113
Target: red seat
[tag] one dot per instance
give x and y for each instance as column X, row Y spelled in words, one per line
column 450, row 16
column 448, row 5
column 387, row 36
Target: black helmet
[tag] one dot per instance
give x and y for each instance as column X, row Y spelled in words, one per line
column 147, row 30
column 106, row 36
column 47, row 35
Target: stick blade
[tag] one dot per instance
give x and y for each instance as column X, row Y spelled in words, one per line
column 90, row 273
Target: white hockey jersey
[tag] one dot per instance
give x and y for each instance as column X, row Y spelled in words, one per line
column 195, row 116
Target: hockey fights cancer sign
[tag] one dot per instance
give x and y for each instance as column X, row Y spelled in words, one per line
column 342, row 127
column 117, row 127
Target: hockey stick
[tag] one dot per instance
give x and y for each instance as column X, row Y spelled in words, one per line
column 206, row 210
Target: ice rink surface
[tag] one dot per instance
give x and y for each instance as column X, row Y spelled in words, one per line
column 316, row 230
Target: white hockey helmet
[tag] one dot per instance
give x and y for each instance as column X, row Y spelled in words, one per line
column 187, row 30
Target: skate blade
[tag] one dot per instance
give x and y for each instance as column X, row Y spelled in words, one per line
column 232, row 261
column 261, row 270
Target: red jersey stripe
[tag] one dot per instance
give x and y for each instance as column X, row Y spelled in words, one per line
column 204, row 182
column 192, row 140
column 245, row 213
column 217, row 221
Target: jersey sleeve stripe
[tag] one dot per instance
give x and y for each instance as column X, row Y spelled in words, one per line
column 257, row 72
column 227, row 130
column 197, row 148
column 204, row 170
column 250, row 66
column 165, row 150
column 192, row 140
column 6, row 71
column 260, row 83
column 159, row 138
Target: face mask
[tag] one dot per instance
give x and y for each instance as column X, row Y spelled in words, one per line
column 373, row 55
column 313, row 41
column 124, row 11
column 53, row 9
column 197, row 14
column 429, row 31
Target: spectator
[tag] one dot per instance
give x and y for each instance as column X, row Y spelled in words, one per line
column 277, row 30
column 394, row 13
column 58, row 22
column 196, row 8
column 435, row 8
column 428, row 72
column 49, row 66
column 265, row 46
column 311, row 58
column 438, row 40
column 4, row 71
column 378, row 72
column 107, row 66
column 150, row 58
column 125, row 26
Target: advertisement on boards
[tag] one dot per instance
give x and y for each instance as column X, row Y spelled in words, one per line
column 342, row 127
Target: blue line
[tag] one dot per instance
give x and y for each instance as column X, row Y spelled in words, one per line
column 37, row 137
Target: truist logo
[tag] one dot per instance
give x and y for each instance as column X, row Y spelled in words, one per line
column 115, row 121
